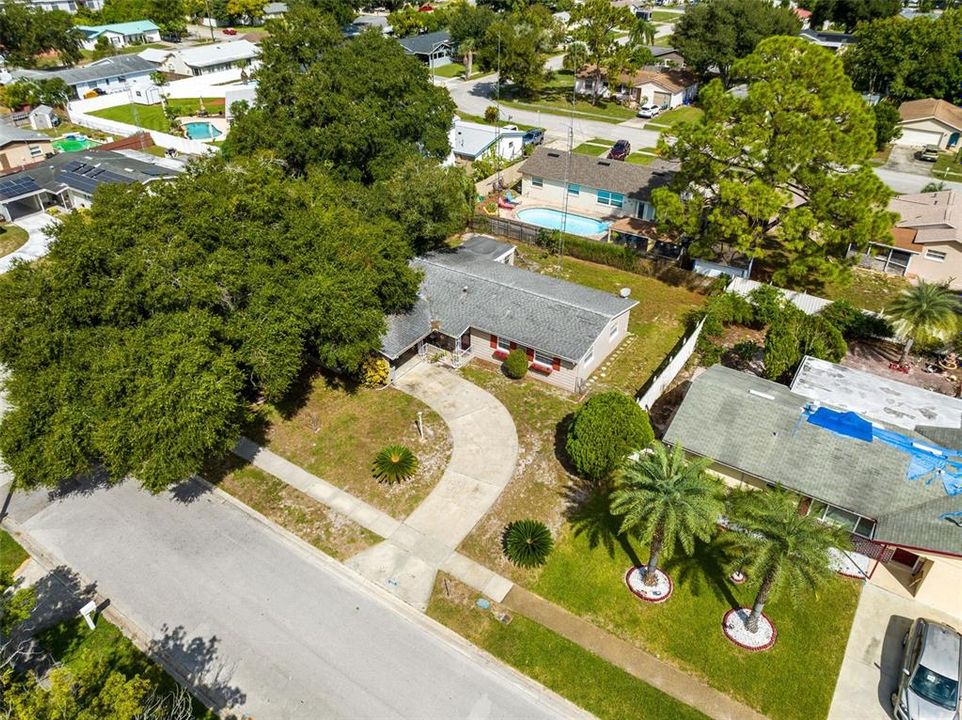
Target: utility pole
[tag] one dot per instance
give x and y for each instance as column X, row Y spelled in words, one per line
column 564, row 205
column 209, row 19
column 497, row 124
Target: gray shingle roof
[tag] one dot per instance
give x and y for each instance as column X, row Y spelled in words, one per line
column 767, row 437
column 635, row 181
column 53, row 174
column 462, row 290
column 486, row 246
column 425, row 44
column 10, row 134
column 119, row 65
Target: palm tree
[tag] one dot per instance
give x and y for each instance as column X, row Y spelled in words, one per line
column 927, row 311
column 771, row 540
column 467, row 48
column 576, row 57
column 667, row 500
column 642, row 33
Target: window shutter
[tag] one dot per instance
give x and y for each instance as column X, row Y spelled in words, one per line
column 555, row 363
column 530, row 353
column 494, row 341
column 514, row 345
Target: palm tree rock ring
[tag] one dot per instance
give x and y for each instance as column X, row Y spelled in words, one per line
column 735, row 627
column 639, row 581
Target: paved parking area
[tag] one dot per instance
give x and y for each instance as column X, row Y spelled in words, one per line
column 903, row 159
column 870, row 668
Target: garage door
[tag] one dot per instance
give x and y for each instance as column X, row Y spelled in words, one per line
column 919, row 137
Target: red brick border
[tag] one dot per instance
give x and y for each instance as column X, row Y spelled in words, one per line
column 653, row 601
column 742, row 645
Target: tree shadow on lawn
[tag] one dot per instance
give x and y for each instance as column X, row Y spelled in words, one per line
column 560, row 454
column 588, row 509
column 707, row 568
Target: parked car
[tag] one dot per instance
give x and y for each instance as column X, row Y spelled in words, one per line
column 648, row 110
column 171, row 38
column 230, row 31
column 534, row 136
column 930, row 153
column 931, row 671
column 620, row 150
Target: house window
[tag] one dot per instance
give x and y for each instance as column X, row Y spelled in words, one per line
column 537, row 182
column 542, row 359
column 846, row 520
column 574, row 189
column 612, row 199
column 646, row 211
column 504, row 345
column 613, row 331
column 589, row 357
column 35, row 151
column 936, row 255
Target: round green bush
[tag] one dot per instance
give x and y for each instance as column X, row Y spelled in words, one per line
column 604, row 432
column 516, row 364
column 527, row 543
column 394, row 464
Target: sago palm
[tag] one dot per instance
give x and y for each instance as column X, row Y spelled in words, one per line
column 394, row 464
column 927, row 311
column 770, row 540
column 666, row 500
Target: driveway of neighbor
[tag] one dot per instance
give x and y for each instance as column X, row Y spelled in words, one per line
column 262, row 623
column 482, row 463
column 870, row 667
column 37, row 242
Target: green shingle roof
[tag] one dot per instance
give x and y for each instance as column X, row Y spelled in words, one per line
column 757, row 426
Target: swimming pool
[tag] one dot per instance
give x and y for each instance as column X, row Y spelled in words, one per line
column 201, row 131
column 557, row 220
column 74, row 143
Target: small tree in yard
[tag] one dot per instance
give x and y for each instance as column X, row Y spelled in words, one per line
column 604, row 431
column 667, row 500
column 516, row 364
column 925, row 312
column 527, row 543
column 394, row 464
column 491, row 114
column 771, row 541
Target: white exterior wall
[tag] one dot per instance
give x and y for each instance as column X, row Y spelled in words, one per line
column 928, row 131
column 119, row 40
column 114, row 84
column 926, row 266
column 552, row 194
column 566, row 375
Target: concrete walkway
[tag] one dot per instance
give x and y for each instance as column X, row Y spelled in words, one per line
column 37, row 241
column 657, row 673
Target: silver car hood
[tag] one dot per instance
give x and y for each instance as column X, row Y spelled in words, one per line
column 922, row 709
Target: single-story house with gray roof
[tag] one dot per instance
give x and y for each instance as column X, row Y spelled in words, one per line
column 596, row 186
column 761, row 434
column 474, row 303
column 108, row 75
column 433, row 49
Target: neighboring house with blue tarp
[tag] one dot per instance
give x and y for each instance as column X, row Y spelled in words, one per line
column 883, row 483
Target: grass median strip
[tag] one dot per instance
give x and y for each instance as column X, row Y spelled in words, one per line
column 581, row 677
column 11, row 554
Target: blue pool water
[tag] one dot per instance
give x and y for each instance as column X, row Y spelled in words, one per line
column 556, row 220
column 201, row 131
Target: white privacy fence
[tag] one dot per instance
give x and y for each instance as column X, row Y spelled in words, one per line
column 809, row 304
column 112, row 127
column 669, row 368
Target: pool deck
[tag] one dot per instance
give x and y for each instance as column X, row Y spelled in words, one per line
column 512, row 214
column 218, row 122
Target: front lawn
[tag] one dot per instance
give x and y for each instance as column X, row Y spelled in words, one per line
column 556, row 98
column 11, row 238
column 576, row 674
column 685, row 113
column 11, row 554
column 450, row 70
column 593, row 148
column 642, row 158
column 947, row 167
column 328, row 531
column 76, row 647
column 867, row 289
column 151, row 117
column 665, row 16
column 333, row 430
column 812, row 634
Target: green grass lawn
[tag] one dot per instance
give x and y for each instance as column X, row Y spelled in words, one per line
column 152, row 117
column 11, row 554
column 557, row 663
column 333, row 430
column 450, row 70
column 641, row 158
column 947, row 167
column 665, row 16
column 670, row 118
column 88, row 55
column 556, row 98
column 812, row 633
column 328, row 531
column 75, row 646
column 866, row 289
column 592, row 148
column 11, row 238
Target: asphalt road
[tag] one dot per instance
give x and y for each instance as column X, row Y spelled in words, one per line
column 262, row 624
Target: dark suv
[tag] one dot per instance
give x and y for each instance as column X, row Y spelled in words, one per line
column 620, row 150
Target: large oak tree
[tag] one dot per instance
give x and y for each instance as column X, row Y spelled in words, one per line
column 779, row 174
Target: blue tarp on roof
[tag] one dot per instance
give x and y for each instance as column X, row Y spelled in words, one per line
column 848, row 424
column 926, row 460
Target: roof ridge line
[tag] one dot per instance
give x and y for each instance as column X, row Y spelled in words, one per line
column 525, row 290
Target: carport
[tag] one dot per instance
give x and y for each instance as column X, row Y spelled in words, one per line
column 20, row 196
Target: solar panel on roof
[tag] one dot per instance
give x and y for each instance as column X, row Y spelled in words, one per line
column 15, row 187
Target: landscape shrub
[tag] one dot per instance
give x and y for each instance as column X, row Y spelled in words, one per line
column 527, row 543
column 375, row 371
column 794, row 335
column 604, row 431
column 745, row 350
column 854, row 323
column 394, row 464
column 491, row 114
column 516, row 364
column 767, row 304
column 724, row 309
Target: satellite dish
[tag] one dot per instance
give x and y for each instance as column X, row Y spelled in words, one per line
column 624, row 292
